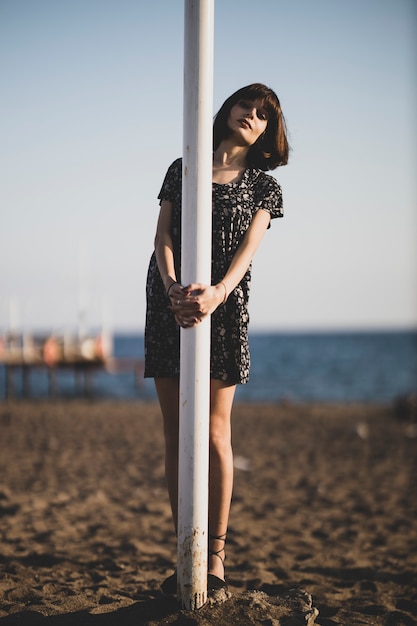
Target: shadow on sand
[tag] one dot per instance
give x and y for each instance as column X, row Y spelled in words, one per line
column 153, row 609
column 248, row 608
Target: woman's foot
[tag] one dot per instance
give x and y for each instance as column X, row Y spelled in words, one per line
column 215, row 576
column 217, row 556
column 169, row 586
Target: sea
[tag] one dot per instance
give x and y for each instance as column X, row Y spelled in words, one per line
column 345, row 367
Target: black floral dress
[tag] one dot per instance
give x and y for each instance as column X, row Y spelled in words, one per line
column 234, row 206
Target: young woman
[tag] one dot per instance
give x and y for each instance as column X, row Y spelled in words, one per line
column 249, row 137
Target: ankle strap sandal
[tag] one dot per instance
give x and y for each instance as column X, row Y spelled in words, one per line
column 214, row 583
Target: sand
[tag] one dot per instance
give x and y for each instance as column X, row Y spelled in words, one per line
column 324, row 515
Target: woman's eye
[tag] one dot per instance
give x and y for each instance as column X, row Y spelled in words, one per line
column 262, row 115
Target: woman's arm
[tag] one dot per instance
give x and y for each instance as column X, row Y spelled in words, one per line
column 246, row 251
column 210, row 297
column 164, row 250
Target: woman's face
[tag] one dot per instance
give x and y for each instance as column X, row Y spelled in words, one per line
column 248, row 120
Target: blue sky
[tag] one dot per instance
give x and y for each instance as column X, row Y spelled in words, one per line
column 91, row 117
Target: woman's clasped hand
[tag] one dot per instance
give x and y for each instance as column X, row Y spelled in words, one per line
column 191, row 304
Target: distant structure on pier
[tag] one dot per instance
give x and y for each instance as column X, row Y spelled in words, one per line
column 81, row 354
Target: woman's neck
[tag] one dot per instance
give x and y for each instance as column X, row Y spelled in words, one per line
column 229, row 163
column 229, row 154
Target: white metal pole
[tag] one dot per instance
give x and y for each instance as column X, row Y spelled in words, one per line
column 195, row 267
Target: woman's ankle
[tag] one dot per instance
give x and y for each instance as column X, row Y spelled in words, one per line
column 217, row 555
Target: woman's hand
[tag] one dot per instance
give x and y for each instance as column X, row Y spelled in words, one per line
column 198, row 301
column 184, row 307
column 193, row 303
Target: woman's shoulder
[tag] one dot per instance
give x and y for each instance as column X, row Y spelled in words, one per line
column 262, row 179
column 174, row 171
column 267, row 193
column 176, row 165
column 171, row 186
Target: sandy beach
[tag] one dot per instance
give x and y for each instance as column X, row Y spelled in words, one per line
column 324, row 506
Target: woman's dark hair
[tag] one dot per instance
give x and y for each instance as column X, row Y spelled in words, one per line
column 271, row 149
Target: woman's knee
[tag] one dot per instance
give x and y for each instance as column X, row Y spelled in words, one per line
column 220, row 438
column 168, row 395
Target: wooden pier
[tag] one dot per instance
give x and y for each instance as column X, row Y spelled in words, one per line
column 21, row 355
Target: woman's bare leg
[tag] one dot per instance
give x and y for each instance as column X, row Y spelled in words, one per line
column 221, row 459
column 168, row 395
column 221, row 471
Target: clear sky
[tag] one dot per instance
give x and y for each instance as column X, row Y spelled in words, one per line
column 91, row 117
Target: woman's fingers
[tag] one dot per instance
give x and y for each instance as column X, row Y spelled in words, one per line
column 206, row 298
column 193, row 289
column 186, row 322
column 192, row 303
column 184, row 303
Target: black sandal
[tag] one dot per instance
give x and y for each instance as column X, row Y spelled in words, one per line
column 214, row 583
column 169, row 586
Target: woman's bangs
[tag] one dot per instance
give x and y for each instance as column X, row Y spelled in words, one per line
column 267, row 98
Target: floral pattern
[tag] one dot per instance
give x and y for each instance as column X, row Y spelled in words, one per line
column 234, row 206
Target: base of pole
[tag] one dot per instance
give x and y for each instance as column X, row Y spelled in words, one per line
column 192, row 568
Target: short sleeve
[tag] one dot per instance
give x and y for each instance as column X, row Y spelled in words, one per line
column 268, row 196
column 172, row 182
